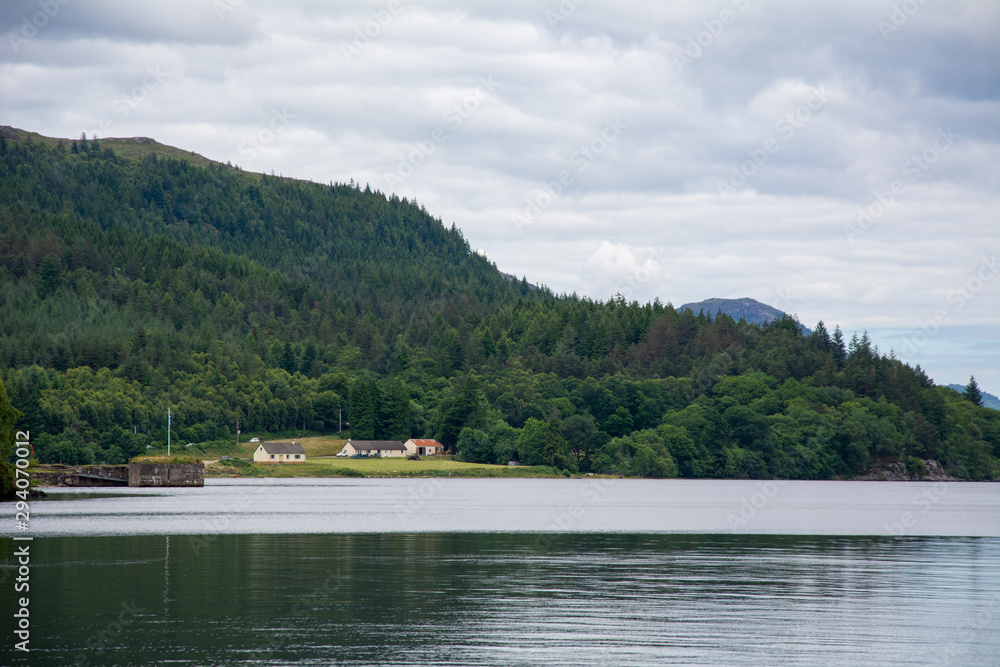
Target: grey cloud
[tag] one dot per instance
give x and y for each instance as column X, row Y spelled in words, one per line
column 229, row 22
column 783, row 234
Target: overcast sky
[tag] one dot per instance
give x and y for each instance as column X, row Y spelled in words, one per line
column 837, row 160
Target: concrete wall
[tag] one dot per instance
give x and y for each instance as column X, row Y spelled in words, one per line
column 166, row 474
column 63, row 475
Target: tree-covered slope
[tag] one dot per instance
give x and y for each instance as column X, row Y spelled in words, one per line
column 129, row 281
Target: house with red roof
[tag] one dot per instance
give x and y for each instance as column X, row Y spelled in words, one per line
column 423, row 447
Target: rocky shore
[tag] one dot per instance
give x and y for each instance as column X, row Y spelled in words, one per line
column 896, row 471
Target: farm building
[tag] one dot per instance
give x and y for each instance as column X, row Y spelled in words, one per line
column 423, row 447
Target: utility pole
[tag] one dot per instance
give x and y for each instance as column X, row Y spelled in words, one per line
column 168, row 431
column 340, row 420
column 237, row 431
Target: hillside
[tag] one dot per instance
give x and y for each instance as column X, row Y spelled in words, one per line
column 133, row 279
column 989, row 400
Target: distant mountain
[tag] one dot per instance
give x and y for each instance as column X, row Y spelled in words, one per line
column 989, row 400
column 751, row 310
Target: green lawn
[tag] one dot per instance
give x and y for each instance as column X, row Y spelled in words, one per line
column 208, row 451
column 383, row 467
column 323, row 445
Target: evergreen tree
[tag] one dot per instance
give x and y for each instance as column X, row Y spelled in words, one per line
column 839, row 349
column 363, row 410
column 465, row 410
column 972, row 392
column 288, row 358
column 489, row 345
column 308, row 360
column 127, row 282
column 49, row 276
column 820, row 337
column 396, row 420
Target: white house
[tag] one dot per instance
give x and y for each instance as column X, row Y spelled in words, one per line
column 279, row 452
column 374, row 448
column 423, row 447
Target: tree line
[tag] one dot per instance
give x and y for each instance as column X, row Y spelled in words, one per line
column 133, row 284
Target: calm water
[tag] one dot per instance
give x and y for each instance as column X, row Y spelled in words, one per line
column 536, row 505
column 515, row 572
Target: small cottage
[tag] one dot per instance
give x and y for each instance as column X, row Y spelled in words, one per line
column 279, row 452
column 423, row 447
column 374, row 448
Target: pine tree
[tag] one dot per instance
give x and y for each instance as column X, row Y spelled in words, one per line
column 363, row 411
column 465, row 409
column 820, row 337
column 839, row 350
column 49, row 276
column 972, row 393
column 489, row 345
column 396, row 420
column 308, row 359
column 288, row 358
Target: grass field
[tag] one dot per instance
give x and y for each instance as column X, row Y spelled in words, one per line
column 321, row 461
column 209, row 451
column 319, row 446
column 382, row 467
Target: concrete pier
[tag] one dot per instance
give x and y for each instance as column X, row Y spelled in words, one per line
column 144, row 473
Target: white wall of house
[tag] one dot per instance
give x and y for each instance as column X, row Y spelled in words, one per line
column 260, row 455
column 352, row 450
column 392, row 453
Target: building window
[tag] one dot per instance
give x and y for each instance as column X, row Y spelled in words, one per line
column 272, row 456
column 296, row 456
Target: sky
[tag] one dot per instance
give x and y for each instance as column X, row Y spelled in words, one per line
column 839, row 161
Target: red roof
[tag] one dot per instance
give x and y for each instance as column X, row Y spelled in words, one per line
column 424, row 442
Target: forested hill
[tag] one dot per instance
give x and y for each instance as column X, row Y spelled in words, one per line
column 133, row 277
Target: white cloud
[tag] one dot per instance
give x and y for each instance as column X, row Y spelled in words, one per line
column 654, row 189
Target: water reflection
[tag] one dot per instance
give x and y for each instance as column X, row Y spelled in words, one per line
column 503, row 599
